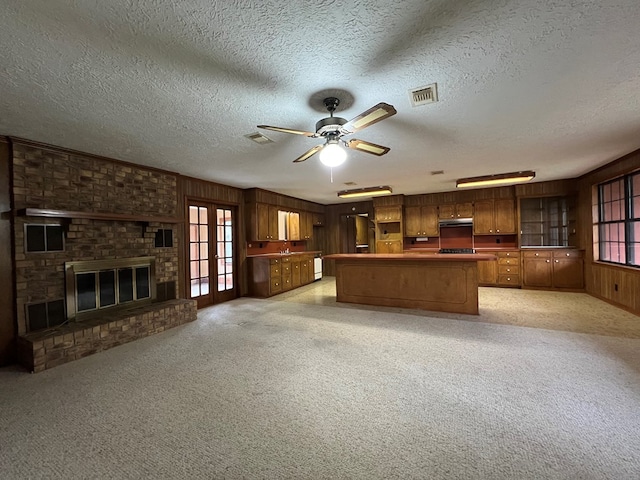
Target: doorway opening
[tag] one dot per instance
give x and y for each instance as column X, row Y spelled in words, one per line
column 357, row 233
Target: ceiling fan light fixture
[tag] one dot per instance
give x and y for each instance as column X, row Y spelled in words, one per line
column 333, row 155
column 365, row 192
column 498, row 179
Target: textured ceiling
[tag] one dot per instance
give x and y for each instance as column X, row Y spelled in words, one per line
column 548, row 85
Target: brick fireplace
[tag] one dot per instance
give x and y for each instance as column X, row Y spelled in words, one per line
column 112, row 227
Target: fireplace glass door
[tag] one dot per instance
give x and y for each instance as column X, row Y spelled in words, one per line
column 212, row 245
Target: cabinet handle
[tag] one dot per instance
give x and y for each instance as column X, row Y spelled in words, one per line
column 490, row 231
column 537, row 254
column 497, row 231
column 557, row 261
column 568, row 254
column 547, row 261
column 508, row 279
column 508, row 269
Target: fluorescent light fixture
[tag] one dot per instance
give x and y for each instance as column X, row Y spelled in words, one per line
column 365, row 192
column 499, row 179
column 332, row 154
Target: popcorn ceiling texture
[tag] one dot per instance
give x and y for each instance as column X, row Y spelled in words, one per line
column 548, row 85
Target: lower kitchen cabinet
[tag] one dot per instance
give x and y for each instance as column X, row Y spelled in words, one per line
column 561, row 269
column 270, row 275
column 389, row 246
column 504, row 272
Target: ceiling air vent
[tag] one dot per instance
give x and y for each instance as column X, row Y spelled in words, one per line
column 423, row 95
column 259, row 138
column 437, row 172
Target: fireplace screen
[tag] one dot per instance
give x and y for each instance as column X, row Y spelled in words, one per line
column 99, row 284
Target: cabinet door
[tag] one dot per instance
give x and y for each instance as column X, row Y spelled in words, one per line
column 505, row 215
column 389, row 246
column 388, row 214
column 488, row 272
column 430, row 221
column 296, row 274
column 568, row 269
column 464, row 210
column 261, row 227
column 294, row 226
column 446, row 211
column 306, row 225
column 413, row 221
column 318, row 219
column 483, row 223
column 304, row 271
column 273, row 222
column 536, row 272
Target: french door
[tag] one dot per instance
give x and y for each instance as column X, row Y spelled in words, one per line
column 212, row 258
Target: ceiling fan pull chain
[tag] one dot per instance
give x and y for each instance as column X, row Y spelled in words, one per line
column 331, row 170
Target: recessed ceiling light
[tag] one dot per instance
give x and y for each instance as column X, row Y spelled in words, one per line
column 259, row 138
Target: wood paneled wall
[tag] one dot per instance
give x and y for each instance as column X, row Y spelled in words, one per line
column 601, row 278
column 190, row 188
column 257, row 195
column 7, row 323
column 334, row 228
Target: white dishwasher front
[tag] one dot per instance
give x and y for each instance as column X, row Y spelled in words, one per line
column 317, row 268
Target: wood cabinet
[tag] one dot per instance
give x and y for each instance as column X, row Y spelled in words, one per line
column 389, row 246
column 504, row 272
column 494, row 217
column 269, row 276
column 293, row 226
column 306, row 225
column 389, row 232
column 455, row 210
column 389, row 214
column 318, row 219
column 263, row 223
column 421, row 221
column 562, row 269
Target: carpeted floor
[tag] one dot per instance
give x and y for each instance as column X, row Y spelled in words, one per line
column 301, row 387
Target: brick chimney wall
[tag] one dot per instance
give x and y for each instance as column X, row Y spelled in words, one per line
column 50, row 179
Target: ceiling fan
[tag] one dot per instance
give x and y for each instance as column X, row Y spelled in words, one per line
column 334, row 128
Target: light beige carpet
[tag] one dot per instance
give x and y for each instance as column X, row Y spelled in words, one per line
column 299, row 387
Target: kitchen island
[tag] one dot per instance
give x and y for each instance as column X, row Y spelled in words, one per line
column 439, row 282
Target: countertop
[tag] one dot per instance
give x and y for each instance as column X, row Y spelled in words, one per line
column 282, row 255
column 412, row 257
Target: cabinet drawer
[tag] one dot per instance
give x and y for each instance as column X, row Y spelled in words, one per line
column 276, row 270
column 509, row 280
column 286, row 259
column 274, row 261
column 276, row 285
column 538, row 254
column 286, row 269
column 568, row 254
column 286, row 282
column 508, row 261
column 509, row 255
column 509, row 269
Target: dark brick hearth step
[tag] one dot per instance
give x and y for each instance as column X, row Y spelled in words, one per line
column 49, row 348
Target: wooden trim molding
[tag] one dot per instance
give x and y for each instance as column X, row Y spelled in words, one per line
column 123, row 217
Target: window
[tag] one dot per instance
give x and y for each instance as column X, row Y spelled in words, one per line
column 546, row 221
column 618, row 220
column 43, row 238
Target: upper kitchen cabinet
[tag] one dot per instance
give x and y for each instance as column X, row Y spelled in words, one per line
column 318, row 219
column 306, row 225
column 263, row 222
column 421, row 221
column 389, row 214
column 457, row 210
column 547, row 221
column 494, row 217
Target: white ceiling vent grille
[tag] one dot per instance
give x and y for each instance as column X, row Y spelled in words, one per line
column 424, row 95
column 259, row 138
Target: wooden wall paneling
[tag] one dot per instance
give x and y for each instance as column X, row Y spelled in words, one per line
column 7, row 305
column 190, row 188
column 601, row 278
column 332, row 229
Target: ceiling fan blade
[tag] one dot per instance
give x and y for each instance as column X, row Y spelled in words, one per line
column 369, row 117
column 288, row 130
column 309, row 153
column 368, row 147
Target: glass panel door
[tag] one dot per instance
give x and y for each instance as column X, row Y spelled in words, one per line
column 211, row 254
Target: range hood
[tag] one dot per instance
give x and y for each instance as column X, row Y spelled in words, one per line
column 456, row 222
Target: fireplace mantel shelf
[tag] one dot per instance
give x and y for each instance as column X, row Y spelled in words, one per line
column 123, row 217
